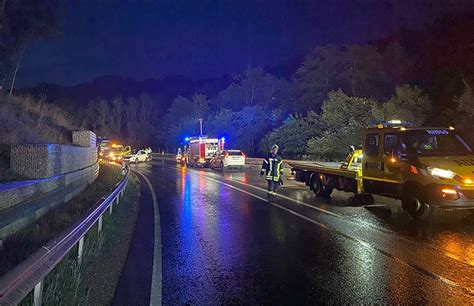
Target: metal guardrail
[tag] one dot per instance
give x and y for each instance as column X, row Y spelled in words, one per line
column 248, row 160
column 30, row 274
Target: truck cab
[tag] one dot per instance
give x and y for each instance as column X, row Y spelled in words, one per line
column 426, row 168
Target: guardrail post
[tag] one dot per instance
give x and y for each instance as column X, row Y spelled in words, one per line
column 117, row 199
column 100, row 224
column 80, row 250
column 38, row 294
column 111, row 207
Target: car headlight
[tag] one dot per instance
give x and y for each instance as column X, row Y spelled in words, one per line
column 442, row 173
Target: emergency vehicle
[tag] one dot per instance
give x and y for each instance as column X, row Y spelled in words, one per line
column 428, row 169
column 109, row 150
column 201, row 149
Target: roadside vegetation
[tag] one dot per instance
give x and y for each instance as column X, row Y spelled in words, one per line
column 19, row 246
column 94, row 280
column 312, row 107
column 32, row 120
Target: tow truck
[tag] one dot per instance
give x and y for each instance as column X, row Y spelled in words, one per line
column 427, row 168
column 201, row 149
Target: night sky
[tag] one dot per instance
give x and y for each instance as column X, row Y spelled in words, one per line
column 204, row 39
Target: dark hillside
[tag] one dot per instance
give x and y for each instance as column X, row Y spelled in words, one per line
column 109, row 87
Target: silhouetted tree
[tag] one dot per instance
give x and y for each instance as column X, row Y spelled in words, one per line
column 343, row 121
column 24, row 21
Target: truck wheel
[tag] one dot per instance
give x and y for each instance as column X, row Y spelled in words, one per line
column 416, row 208
column 319, row 189
column 327, row 192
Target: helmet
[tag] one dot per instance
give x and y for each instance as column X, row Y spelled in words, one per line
column 275, row 146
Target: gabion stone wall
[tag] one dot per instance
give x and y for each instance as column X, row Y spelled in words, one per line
column 21, row 203
column 56, row 172
column 35, row 161
column 83, row 139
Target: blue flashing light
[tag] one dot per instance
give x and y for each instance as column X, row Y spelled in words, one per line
column 223, row 139
column 187, row 139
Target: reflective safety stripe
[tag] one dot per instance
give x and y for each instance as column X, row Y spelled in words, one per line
column 381, row 179
column 276, row 176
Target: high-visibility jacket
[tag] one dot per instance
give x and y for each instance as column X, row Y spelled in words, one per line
column 271, row 167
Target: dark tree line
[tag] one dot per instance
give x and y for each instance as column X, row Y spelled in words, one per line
column 426, row 78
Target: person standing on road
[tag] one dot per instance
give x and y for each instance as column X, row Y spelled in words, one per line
column 271, row 168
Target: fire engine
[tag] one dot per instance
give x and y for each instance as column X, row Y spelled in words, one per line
column 201, row 149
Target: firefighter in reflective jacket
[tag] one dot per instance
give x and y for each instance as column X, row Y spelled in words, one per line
column 271, row 168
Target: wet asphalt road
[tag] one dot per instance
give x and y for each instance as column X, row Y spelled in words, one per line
column 223, row 242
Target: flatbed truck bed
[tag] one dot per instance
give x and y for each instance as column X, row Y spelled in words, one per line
column 323, row 179
column 324, row 169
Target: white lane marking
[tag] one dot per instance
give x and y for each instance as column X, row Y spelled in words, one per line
column 157, row 277
column 361, row 242
column 289, row 199
column 362, row 223
column 269, row 202
column 401, row 261
column 359, row 222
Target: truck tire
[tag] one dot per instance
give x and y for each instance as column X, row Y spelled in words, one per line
column 319, row 189
column 417, row 209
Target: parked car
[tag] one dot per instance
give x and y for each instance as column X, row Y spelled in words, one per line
column 140, row 156
column 228, row 159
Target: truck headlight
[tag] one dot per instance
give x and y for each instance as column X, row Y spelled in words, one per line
column 442, row 173
column 449, row 193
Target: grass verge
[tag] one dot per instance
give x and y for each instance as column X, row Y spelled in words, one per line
column 102, row 272
column 19, row 246
column 93, row 281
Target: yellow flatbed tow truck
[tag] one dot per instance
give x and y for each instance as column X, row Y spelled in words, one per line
column 428, row 169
